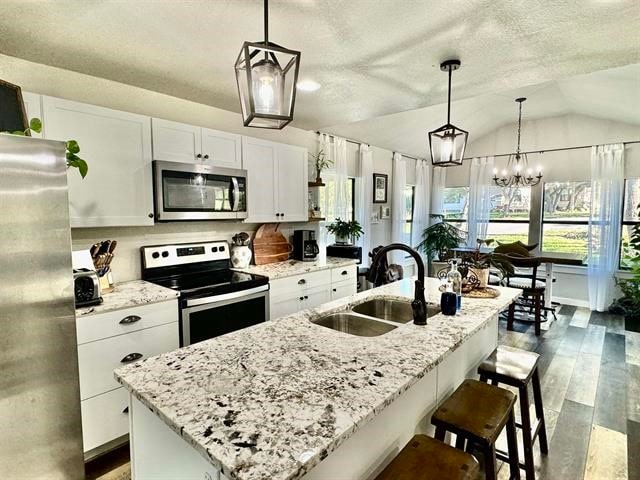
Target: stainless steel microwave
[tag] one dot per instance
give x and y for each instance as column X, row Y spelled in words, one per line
column 185, row 191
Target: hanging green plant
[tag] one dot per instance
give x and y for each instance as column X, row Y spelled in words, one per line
column 73, row 160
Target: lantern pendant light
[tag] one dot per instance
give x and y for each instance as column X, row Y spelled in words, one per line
column 521, row 175
column 448, row 142
column 266, row 75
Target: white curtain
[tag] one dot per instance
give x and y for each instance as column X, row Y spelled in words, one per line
column 397, row 207
column 607, row 183
column 479, row 199
column 340, row 167
column 421, row 202
column 364, row 199
column 438, row 185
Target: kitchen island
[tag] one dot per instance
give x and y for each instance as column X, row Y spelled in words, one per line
column 291, row 399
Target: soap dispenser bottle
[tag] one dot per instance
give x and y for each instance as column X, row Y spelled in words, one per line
column 455, row 278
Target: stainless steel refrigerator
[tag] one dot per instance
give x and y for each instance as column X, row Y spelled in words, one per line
column 40, row 426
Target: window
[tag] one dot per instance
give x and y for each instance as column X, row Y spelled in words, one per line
column 455, row 206
column 565, row 217
column 409, row 197
column 327, row 198
column 509, row 214
column 630, row 218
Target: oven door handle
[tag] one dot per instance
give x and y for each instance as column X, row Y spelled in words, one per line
column 193, row 302
column 234, row 194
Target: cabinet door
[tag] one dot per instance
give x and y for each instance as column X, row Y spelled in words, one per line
column 314, row 298
column 259, row 159
column 343, row 289
column 117, row 147
column 33, row 107
column 283, row 306
column 221, row 149
column 292, row 184
column 176, row 142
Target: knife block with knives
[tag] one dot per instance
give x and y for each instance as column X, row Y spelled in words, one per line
column 102, row 254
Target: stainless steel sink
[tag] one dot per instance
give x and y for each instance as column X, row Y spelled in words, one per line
column 398, row 311
column 354, row 324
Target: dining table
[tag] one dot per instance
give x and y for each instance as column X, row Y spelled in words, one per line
column 548, row 258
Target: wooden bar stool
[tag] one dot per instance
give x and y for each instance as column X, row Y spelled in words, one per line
column 517, row 368
column 477, row 413
column 425, row 458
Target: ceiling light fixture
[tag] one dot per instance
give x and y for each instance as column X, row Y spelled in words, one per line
column 522, row 175
column 266, row 75
column 308, row 85
column 448, row 142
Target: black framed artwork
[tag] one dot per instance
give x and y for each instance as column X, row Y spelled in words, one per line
column 380, row 182
column 13, row 116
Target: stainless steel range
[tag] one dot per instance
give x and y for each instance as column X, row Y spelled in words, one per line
column 214, row 299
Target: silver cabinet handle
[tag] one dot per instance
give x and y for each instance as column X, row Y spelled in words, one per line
column 306, row 297
column 302, row 281
column 132, row 357
column 126, row 410
column 344, row 272
column 199, row 155
column 206, row 157
column 301, row 298
column 130, row 319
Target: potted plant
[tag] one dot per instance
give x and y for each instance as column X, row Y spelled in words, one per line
column 345, row 232
column 437, row 242
column 479, row 264
column 629, row 304
column 320, row 162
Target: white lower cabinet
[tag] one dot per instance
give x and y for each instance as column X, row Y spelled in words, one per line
column 300, row 292
column 105, row 417
column 108, row 341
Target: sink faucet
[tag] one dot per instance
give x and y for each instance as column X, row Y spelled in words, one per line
column 419, row 304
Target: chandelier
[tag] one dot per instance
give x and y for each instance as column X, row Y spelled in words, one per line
column 521, row 175
column 266, row 75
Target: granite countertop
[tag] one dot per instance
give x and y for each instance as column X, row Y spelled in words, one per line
column 130, row 294
column 271, row 401
column 296, row 267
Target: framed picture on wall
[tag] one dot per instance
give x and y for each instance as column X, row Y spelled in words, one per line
column 375, row 218
column 385, row 212
column 380, row 181
column 13, row 116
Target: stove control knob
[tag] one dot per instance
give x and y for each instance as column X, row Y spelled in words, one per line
column 165, row 254
column 214, row 249
column 222, row 249
column 155, row 254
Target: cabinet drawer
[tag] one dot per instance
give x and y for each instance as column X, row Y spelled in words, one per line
column 298, row 283
column 104, row 325
column 97, row 360
column 104, row 418
column 342, row 274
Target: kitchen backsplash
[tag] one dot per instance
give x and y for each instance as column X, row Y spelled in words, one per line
column 126, row 263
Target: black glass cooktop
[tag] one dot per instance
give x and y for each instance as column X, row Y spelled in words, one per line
column 214, row 282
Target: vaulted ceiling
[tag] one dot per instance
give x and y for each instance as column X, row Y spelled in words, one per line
column 372, row 57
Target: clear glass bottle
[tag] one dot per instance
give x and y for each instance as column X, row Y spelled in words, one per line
column 455, row 278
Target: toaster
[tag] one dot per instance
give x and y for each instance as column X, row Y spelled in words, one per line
column 86, row 287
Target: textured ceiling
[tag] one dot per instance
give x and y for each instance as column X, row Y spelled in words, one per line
column 372, row 57
column 612, row 94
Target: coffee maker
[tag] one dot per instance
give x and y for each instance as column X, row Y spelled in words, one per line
column 305, row 247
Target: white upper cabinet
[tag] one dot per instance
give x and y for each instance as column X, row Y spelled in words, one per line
column 117, row 147
column 179, row 142
column 221, row 149
column 260, row 162
column 33, row 107
column 277, row 185
column 176, row 142
column 292, row 184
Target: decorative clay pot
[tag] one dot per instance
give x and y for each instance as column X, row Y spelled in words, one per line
column 482, row 274
column 240, row 256
column 343, row 240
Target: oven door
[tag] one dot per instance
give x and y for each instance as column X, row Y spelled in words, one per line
column 204, row 318
column 186, row 191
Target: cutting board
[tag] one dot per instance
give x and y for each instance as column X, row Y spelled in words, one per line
column 270, row 245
